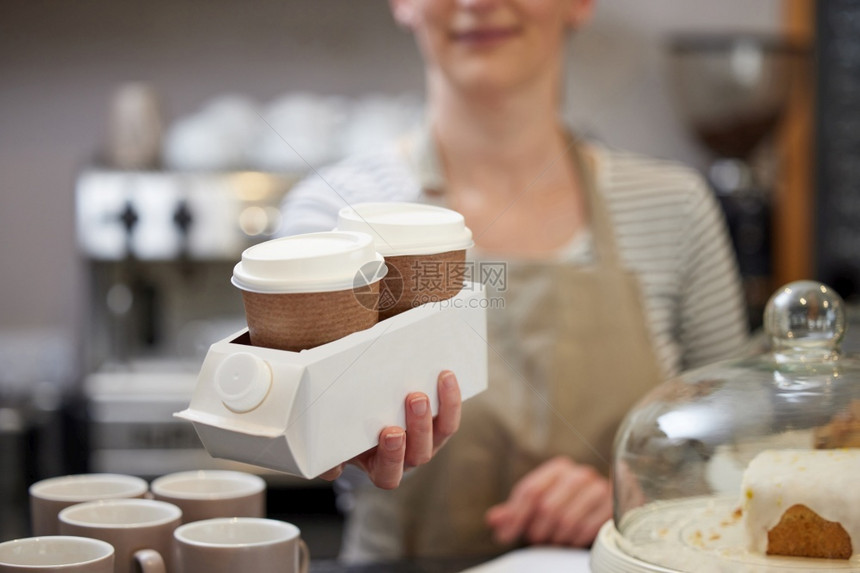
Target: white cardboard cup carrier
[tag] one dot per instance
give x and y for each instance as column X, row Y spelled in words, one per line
column 320, row 407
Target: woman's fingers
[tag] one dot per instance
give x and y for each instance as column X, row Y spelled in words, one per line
column 385, row 467
column 419, row 430
column 424, row 434
column 591, row 506
column 592, row 522
column 552, row 505
column 416, row 445
column 333, row 473
column 559, row 502
column 512, row 518
column 447, row 421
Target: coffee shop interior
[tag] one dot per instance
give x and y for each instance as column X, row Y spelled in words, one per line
column 144, row 146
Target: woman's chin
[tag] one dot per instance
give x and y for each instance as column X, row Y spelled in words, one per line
column 483, row 80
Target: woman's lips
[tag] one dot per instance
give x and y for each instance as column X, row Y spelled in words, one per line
column 484, row 36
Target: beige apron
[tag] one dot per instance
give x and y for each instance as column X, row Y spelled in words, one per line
column 569, row 354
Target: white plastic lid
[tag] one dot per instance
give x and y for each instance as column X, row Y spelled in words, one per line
column 407, row 228
column 314, row 262
column 242, row 381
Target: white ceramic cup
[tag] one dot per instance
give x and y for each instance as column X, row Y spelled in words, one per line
column 56, row 554
column 140, row 530
column 230, row 545
column 206, row 494
column 49, row 496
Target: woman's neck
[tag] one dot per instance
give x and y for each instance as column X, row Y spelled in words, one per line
column 506, row 168
column 513, row 134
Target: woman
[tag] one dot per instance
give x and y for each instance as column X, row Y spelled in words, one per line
column 618, row 273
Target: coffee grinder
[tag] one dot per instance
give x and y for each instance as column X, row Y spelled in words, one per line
column 732, row 91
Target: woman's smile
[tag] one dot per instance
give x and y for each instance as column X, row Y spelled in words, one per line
column 484, row 36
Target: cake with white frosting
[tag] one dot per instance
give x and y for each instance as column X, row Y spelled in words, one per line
column 803, row 503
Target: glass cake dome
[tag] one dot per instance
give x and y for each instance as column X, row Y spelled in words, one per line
column 682, row 452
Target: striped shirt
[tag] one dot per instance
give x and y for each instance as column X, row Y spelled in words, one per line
column 668, row 226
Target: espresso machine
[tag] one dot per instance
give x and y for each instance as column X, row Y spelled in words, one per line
column 158, row 249
column 732, row 91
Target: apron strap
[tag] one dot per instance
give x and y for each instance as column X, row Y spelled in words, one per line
column 605, row 246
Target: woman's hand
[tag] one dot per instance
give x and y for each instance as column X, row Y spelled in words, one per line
column 418, row 443
column 560, row 502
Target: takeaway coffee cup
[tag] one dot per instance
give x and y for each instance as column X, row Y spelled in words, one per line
column 228, row 545
column 424, row 248
column 56, row 554
column 140, row 530
column 49, row 496
column 306, row 290
column 206, row 494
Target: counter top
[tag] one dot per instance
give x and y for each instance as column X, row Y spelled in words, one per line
column 543, row 559
column 405, row 566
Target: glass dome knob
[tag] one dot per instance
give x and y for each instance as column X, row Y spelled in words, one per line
column 805, row 316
